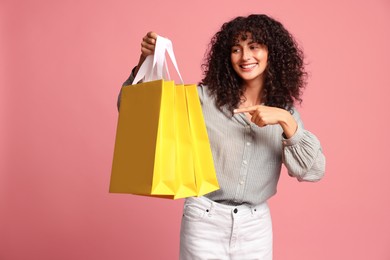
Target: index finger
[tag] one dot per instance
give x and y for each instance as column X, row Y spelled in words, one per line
column 245, row 109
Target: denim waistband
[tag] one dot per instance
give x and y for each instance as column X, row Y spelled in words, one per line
column 215, row 206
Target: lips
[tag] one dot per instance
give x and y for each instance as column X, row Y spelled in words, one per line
column 248, row 66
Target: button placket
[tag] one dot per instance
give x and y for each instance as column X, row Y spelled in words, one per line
column 239, row 196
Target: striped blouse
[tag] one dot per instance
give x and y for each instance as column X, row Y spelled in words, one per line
column 248, row 158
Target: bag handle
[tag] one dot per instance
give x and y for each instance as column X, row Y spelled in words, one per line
column 155, row 66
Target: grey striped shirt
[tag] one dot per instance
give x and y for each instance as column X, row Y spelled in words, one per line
column 248, row 158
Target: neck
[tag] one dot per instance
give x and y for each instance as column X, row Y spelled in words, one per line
column 253, row 93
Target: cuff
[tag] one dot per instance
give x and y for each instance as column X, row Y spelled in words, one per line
column 296, row 138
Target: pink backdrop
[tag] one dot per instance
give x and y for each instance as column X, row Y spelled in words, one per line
column 61, row 66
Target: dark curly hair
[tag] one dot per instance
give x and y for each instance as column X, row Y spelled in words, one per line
column 285, row 76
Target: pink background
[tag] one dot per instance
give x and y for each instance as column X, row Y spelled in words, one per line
column 61, row 66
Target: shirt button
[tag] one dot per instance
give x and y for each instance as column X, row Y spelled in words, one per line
column 235, row 210
column 248, row 143
column 244, row 162
column 241, row 182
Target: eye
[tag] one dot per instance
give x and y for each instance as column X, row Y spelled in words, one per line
column 235, row 50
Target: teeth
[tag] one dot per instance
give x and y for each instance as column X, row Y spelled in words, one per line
column 248, row 66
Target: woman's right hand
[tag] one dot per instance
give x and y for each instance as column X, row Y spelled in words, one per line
column 148, row 45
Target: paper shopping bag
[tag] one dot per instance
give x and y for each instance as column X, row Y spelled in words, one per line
column 206, row 179
column 161, row 146
column 185, row 172
column 145, row 144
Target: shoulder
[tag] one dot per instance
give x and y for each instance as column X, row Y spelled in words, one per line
column 297, row 116
column 294, row 112
column 204, row 93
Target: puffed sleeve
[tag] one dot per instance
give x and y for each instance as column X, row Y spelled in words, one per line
column 302, row 154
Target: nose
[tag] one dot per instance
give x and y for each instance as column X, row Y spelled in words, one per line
column 246, row 54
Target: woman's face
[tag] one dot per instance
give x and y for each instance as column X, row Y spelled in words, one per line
column 249, row 60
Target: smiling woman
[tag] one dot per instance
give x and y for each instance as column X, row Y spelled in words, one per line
column 253, row 75
column 285, row 75
column 61, row 66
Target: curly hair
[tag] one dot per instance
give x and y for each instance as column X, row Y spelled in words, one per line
column 285, row 76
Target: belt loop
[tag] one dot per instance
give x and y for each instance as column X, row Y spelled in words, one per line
column 210, row 211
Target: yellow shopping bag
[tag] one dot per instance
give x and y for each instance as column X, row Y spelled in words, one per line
column 161, row 147
column 144, row 154
column 185, row 171
column 206, row 180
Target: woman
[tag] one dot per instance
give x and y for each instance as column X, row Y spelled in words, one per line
column 254, row 73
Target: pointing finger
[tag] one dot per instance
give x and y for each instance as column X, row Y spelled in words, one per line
column 245, row 109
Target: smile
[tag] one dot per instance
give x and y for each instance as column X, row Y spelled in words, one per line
column 248, row 66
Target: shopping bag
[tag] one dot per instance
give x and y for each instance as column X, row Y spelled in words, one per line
column 206, row 180
column 144, row 154
column 184, row 171
column 156, row 148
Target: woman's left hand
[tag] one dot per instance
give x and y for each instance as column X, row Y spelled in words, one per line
column 264, row 115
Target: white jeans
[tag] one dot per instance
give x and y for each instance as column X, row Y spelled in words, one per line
column 211, row 230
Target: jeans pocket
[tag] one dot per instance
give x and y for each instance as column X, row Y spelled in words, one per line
column 193, row 212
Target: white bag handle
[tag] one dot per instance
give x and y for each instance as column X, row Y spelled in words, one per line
column 155, row 66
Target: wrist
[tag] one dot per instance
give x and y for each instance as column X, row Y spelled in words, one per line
column 140, row 61
column 288, row 123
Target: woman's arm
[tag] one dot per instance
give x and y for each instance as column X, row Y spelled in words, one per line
column 302, row 154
